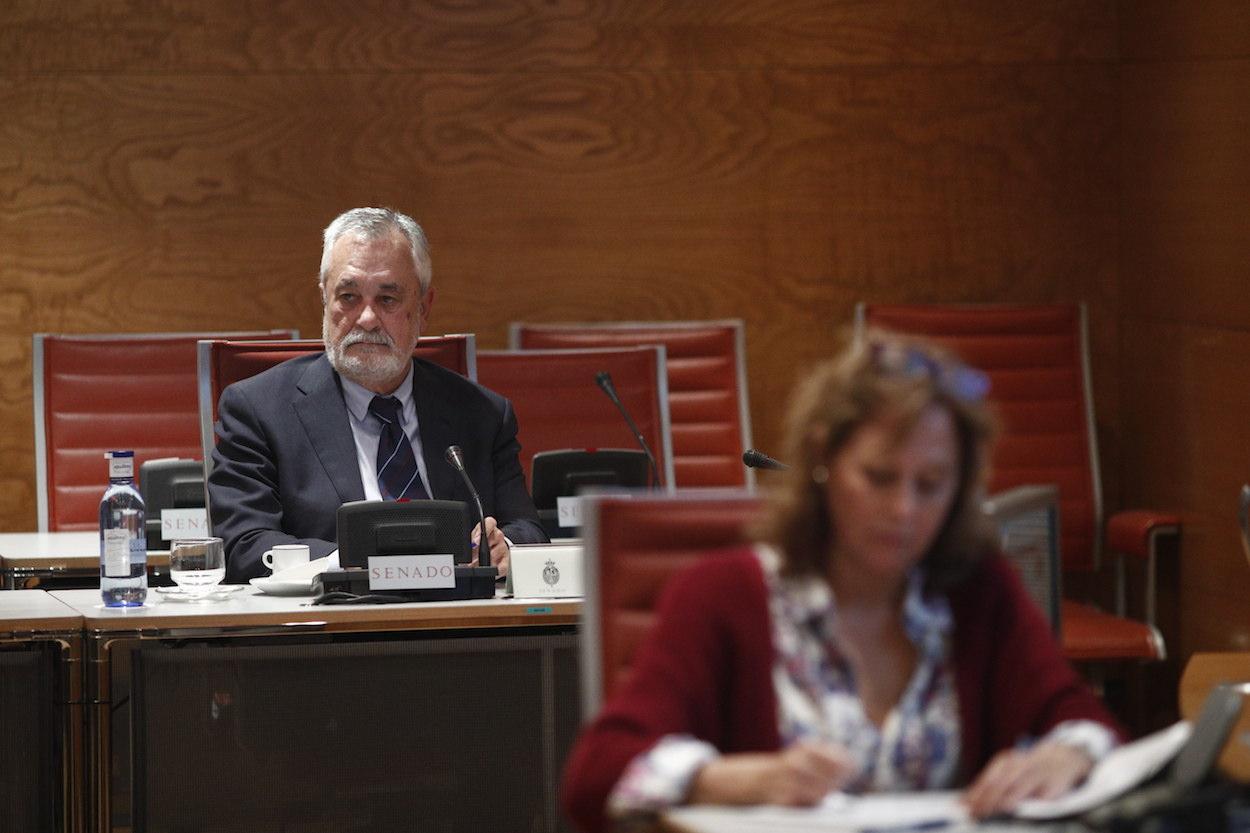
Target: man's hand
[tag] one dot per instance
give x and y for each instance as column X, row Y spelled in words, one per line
column 801, row 775
column 500, row 554
column 1048, row 770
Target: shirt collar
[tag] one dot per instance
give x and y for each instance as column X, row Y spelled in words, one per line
column 357, row 397
column 809, row 600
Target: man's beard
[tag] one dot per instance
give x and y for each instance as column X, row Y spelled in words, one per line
column 370, row 368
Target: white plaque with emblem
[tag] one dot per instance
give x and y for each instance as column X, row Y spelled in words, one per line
column 545, row 571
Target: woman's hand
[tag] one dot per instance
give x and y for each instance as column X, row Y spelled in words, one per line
column 800, row 775
column 1048, row 770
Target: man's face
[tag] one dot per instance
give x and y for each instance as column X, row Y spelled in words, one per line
column 374, row 310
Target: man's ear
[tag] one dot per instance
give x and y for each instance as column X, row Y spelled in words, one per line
column 423, row 311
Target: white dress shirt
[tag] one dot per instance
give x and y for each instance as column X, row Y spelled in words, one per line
column 367, row 431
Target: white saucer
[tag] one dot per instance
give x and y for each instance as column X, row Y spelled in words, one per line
column 178, row 594
column 279, row 587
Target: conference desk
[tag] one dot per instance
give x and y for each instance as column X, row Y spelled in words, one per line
column 40, row 712
column 265, row 713
column 59, row 560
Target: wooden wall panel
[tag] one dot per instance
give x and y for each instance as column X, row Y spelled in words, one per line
column 168, row 166
column 1185, row 246
column 222, row 36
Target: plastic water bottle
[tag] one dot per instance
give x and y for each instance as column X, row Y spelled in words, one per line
column 123, row 539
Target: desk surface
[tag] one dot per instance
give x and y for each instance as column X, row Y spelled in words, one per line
column 249, row 607
column 41, row 546
column 57, row 551
column 35, row 610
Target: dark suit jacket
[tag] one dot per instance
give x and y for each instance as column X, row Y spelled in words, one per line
column 285, row 458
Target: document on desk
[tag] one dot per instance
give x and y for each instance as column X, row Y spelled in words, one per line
column 840, row 813
column 1120, row 771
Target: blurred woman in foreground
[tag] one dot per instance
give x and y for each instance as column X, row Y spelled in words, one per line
column 872, row 640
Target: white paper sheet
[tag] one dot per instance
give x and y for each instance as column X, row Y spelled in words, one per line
column 839, row 813
column 1120, row 771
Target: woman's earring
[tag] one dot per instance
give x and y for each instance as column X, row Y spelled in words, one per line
column 820, row 474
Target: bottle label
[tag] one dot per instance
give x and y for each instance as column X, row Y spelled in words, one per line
column 121, row 468
column 117, row 553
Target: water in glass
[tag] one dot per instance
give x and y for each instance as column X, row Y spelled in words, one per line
column 197, row 565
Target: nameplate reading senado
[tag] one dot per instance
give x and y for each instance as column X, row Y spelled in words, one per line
column 411, row 572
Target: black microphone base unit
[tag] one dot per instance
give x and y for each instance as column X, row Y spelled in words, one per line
column 471, row 583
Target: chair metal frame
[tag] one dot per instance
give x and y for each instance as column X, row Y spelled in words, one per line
column 39, row 391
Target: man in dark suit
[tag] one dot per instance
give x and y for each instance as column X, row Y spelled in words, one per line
column 364, row 420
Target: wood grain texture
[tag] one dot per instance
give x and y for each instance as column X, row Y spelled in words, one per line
column 246, row 36
column 169, row 166
column 1185, row 243
column 1161, row 30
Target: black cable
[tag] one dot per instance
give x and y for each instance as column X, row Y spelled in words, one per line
column 342, row 597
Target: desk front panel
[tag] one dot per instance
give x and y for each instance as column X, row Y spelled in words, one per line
column 31, row 702
column 266, row 713
column 39, row 713
column 450, row 731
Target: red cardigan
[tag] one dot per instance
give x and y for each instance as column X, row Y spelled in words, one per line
column 706, row 670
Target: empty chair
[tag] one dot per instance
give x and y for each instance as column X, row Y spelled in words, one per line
column 707, row 387
column 559, row 404
column 633, row 545
column 222, row 362
column 94, row 393
column 1037, row 358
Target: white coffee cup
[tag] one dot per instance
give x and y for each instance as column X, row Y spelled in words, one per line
column 284, row 556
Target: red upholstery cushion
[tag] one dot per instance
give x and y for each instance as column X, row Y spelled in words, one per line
column 1032, row 354
column 641, row 543
column 114, row 392
column 559, row 405
column 703, row 387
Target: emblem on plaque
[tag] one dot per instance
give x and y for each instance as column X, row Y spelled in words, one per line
column 551, row 573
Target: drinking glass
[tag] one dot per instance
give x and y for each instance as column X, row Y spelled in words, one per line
column 197, row 565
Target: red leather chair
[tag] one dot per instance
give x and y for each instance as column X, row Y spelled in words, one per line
column 633, row 544
column 707, row 387
column 559, row 405
column 1037, row 358
column 94, row 393
column 222, row 362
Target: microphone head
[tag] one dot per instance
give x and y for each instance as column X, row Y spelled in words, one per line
column 455, row 456
column 603, row 379
column 759, row 460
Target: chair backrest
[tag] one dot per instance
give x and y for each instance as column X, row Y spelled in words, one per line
column 98, row 392
column 223, row 362
column 707, row 387
column 1037, row 358
column 633, row 545
column 559, row 405
column 1027, row 521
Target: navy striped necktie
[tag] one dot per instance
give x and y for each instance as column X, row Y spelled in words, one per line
column 397, row 465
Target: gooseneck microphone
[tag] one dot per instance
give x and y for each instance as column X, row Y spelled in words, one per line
column 604, row 380
column 753, row 459
column 455, row 457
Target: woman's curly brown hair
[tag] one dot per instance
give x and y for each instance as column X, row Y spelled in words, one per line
column 880, row 374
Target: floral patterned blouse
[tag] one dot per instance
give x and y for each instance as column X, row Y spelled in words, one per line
column 916, row 747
